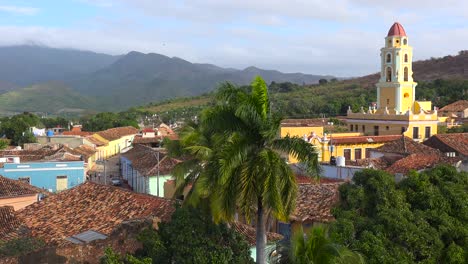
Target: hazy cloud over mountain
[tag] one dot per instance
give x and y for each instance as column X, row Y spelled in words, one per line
column 312, row 36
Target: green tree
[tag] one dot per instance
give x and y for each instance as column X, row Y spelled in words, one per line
column 313, row 247
column 17, row 128
column 190, row 236
column 3, row 144
column 422, row 219
column 244, row 169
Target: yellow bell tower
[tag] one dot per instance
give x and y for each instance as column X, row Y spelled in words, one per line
column 396, row 88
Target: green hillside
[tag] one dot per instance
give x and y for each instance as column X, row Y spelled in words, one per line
column 52, row 97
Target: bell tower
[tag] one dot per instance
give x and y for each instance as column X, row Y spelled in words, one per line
column 396, row 88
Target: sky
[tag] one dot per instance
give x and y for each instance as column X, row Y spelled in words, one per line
column 337, row 37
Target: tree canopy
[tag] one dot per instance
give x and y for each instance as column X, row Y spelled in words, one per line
column 422, row 219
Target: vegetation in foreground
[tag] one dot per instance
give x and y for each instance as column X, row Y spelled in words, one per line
column 422, row 219
column 191, row 237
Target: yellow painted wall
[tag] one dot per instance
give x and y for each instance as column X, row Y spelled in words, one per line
column 426, row 105
column 387, row 93
column 406, row 101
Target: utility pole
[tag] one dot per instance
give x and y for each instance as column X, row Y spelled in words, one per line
column 157, row 178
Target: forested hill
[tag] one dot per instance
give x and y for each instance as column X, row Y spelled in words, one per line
column 441, row 80
column 447, row 68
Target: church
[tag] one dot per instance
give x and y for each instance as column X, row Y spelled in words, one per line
column 396, row 111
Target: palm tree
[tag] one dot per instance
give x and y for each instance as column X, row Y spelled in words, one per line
column 240, row 163
column 313, row 248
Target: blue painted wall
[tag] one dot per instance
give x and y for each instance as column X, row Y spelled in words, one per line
column 44, row 174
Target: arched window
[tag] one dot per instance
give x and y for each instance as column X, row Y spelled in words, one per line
column 406, row 57
column 389, row 58
column 389, row 74
column 405, row 78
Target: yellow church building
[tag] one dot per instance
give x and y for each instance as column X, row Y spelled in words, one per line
column 396, row 111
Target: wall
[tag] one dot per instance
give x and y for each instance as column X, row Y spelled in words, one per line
column 43, row 174
column 153, row 183
column 70, row 141
column 19, row 202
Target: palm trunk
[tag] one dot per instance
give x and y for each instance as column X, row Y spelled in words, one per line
column 261, row 234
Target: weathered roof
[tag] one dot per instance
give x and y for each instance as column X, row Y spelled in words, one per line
column 29, row 155
column 315, row 201
column 77, row 133
column 449, row 142
column 405, row 145
column 419, row 161
column 457, row 106
column 8, row 222
column 117, row 132
column 363, row 139
column 145, row 160
column 250, row 234
column 91, row 206
column 12, row 188
column 96, row 141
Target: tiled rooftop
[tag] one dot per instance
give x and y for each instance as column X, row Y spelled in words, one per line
column 363, row 139
column 8, row 222
column 90, row 206
column 458, row 106
column 117, row 132
column 419, row 161
column 145, row 160
column 12, row 188
column 405, row 145
column 250, row 234
column 95, row 141
column 29, row 155
column 449, row 142
column 314, row 202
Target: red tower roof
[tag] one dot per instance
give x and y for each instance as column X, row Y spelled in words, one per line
column 396, row 30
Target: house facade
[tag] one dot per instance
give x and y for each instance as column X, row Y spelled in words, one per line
column 147, row 170
column 115, row 139
column 54, row 176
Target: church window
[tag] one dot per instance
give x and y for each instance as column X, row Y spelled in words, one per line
column 405, row 41
column 406, row 57
column 406, row 95
column 389, row 58
column 388, row 101
column 389, row 74
column 406, row 74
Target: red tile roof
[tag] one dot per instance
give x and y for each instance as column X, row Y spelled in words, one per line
column 12, row 188
column 405, row 146
column 315, row 201
column 95, row 141
column 145, row 160
column 396, row 30
column 419, row 161
column 363, row 139
column 458, row 106
column 455, row 142
column 30, row 155
column 117, row 132
column 250, row 233
column 9, row 223
column 91, row 206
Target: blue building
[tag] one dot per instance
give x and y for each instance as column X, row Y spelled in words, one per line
column 50, row 175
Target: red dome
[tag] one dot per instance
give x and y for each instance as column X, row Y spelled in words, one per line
column 396, row 30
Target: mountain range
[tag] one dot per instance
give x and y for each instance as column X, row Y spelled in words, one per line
column 43, row 79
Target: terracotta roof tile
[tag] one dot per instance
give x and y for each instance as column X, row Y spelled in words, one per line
column 77, row 133
column 458, row 106
column 90, row 206
column 449, row 142
column 13, row 188
column 8, row 222
column 405, row 145
column 315, row 201
column 117, row 132
column 250, row 234
column 145, row 160
column 96, row 141
column 29, row 155
column 363, row 139
column 419, row 161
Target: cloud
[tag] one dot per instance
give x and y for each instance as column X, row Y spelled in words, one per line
column 338, row 37
column 22, row 10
